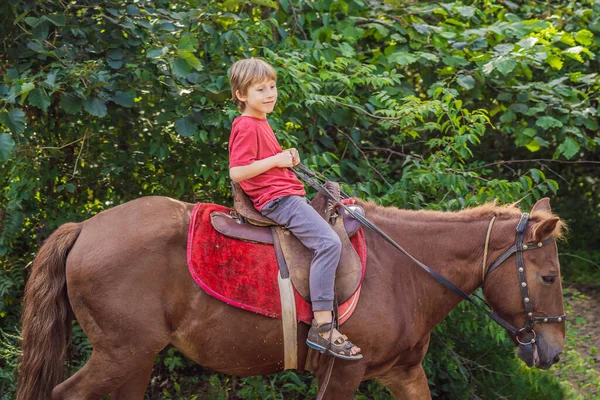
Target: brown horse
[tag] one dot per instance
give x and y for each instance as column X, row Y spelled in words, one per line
column 123, row 274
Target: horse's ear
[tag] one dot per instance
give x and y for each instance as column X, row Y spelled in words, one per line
column 544, row 229
column 542, row 205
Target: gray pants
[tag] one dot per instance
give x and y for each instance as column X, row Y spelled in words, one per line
column 297, row 215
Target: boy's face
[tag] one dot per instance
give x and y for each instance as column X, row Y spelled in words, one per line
column 260, row 98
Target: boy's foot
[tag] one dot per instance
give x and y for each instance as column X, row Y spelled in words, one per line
column 340, row 346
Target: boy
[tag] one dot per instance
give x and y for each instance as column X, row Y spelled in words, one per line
column 258, row 163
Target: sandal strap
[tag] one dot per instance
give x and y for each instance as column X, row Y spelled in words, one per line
column 326, row 327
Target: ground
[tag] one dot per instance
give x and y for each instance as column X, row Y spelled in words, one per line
column 582, row 370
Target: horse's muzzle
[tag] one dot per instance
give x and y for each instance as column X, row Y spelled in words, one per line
column 538, row 355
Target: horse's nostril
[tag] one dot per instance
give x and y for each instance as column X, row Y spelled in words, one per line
column 556, row 359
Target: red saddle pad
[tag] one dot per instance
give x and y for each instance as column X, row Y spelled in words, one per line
column 244, row 274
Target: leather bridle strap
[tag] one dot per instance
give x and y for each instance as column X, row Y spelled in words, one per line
column 513, row 249
column 485, row 249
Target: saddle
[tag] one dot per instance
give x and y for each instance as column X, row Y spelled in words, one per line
column 294, row 259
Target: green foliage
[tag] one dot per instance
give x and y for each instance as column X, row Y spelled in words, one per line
column 416, row 105
column 9, row 354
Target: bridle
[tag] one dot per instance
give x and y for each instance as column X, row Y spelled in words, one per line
column 518, row 249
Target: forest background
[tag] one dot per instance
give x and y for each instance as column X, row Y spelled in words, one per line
column 418, row 105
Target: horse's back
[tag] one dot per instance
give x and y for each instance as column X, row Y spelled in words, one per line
column 131, row 226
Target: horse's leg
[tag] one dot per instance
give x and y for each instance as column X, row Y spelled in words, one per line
column 135, row 387
column 120, row 371
column 127, row 328
column 103, row 374
column 406, row 382
column 345, row 378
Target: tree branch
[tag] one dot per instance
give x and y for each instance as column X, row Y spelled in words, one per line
column 364, row 156
column 581, row 258
column 533, row 160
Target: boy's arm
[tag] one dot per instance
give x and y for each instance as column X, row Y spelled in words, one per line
column 281, row 160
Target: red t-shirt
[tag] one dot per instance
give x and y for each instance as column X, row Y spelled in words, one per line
column 253, row 139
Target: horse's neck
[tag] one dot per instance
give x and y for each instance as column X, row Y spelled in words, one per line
column 454, row 249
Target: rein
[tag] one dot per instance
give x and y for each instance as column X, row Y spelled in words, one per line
column 307, row 175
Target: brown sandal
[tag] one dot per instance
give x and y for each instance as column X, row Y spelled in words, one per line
column 338, row 348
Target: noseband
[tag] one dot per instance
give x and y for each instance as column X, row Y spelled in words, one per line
column 518, row 249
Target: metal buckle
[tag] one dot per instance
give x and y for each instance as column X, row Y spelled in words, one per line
column 532, row 341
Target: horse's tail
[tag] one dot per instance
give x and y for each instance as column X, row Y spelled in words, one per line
column 46, row 319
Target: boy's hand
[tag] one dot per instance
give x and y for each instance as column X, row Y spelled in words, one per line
column 284, row 159
column 295, row 156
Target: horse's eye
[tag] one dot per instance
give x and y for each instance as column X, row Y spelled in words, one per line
column 549, row 280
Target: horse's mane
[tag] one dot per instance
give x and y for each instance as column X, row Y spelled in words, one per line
column 487, row 210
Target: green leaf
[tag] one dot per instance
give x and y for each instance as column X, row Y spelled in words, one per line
column 519, row 108
column 188, row 43
column 191, row 59
column 39, row 99
column 352, row 32
column 423, row 29
column 584, row 37
column 32, row 21
column 466, row 81
column 591, row 124
column 35, row 46
column 186, row 126
column 428, row 56
column 542, row 142
column 51, row 79
column 528, row 43
column 402, row 58
column 504, row 48
column 25, row 89
column 454, row 61
column 71, row 103
column 115, row 64
column 548, row 122
column 14, row 120
column 40, row 32
column 114, row 54
column 124, row 99
column 56, row 19
column 132, row 10
column 508, row 116
column 95, row 106
column 529, row 132
column 181, row 68
column 526, row 182
column 506, row 66
column 537, row 175
column 6, row 145
column 231, row 4
column 569, row 147
column 266, row 3
column 156, row 52
column 466, row 11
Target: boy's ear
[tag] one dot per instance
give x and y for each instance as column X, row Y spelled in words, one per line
column 240, row 96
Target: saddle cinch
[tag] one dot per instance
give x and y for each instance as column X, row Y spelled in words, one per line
column 246, row 223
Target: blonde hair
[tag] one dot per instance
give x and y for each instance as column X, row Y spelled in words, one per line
column 244, row 73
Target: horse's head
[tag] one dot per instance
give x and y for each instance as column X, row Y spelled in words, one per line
column 532, row 297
